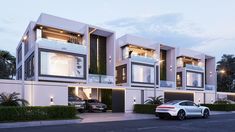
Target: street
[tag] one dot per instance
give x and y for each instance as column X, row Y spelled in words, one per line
column 216, row 123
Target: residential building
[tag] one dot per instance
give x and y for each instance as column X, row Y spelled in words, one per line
column 57, row 57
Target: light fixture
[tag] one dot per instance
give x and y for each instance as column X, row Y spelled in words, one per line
column 41, row 27
column 134, row 99
column 25, row 37
column 222, row 71
column 110, row 58
column 79, row 35
column 52, row 100
column 170, row 68
column 61, row 31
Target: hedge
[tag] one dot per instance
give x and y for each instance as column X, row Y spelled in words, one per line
column 145, row 108
column 14, row 113
column 220, row 107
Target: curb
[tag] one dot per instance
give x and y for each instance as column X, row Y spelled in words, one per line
column 39, row 123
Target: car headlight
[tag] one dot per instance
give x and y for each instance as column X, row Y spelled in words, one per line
column 93, row 106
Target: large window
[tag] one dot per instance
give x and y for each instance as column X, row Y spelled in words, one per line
column 29, row 67
column 142, row 73
column 60, row 64
column 194, row 79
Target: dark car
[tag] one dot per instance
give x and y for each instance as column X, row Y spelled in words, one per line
column 95, row 105
column 79, row 104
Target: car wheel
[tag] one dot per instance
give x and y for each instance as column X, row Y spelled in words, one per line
column 206, row 113
column 81, row 111
column 161, row 117
column 181, row 115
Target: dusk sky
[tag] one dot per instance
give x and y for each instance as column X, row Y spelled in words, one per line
column 201, row 25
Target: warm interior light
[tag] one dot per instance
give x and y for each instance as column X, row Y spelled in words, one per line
column 79, row 35
column 61, row 31
column 41, row 27
column 222, row 71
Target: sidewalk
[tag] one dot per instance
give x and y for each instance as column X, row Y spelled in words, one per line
column 106, row 117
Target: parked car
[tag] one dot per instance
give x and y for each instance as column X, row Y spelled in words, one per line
column 95, row 105
column 182, row 109
column 79, row 104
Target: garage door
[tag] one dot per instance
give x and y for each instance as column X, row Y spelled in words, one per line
column 118, row 100
column 168, row 96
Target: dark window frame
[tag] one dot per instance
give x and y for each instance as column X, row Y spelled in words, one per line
column 202, row 83
column 149, row 65
column 62, row 52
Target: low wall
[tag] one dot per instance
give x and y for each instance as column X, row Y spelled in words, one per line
column 37, row 93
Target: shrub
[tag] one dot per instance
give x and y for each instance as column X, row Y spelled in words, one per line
column 145, row 108
column 16, row 113
column 157, row 101
column 220, row 107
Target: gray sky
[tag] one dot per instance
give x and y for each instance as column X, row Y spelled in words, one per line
column 202, row 25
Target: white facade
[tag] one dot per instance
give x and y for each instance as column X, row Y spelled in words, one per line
column 57, row 53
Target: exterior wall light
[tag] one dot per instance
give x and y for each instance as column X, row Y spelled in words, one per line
column 134, row 99
column 25, row 37
column 110, row 58
column 170, row 68
column 52, row 100
column 210, row 74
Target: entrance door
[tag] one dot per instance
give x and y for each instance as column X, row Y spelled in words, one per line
column 118, row 100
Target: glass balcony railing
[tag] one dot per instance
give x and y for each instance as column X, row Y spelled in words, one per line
column 95, row 78
column 210, row 87
column 193, row 67
column 143, row 59
column 167, row 84
column 59, row 45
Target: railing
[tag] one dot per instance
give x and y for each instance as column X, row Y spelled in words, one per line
column 210, row 87
column 167, row 84
column 143, row 58
column 95, row 78
column 193, row 67
column 59, row 45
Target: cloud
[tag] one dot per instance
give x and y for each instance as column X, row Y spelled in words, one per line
column 168, row 28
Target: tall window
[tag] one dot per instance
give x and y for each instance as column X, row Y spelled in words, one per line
column 142, row 73
column 19, row 54
column 194, row 79
column 29, row 66
column 60, row 64
column 179, row 79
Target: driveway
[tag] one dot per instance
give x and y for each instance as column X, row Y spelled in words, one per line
column 106, row 117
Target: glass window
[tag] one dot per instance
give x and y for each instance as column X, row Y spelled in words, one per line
column 60, row 64
column 179, row 79
column 142, row 73
column 194, row 79
column 19, row 54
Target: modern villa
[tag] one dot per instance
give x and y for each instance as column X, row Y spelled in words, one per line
column 57, row 57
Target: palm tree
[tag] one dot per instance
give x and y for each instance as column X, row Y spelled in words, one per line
column 12, row 100
column 7, row 65
column 157, row 101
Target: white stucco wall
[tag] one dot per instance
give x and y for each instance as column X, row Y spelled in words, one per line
column 10, row 86
column 130, row 95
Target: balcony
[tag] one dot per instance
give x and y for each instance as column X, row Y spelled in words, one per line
column 59, row 45
column 104, row 79
column 193, row 67
column 167, row 84
column 210, row 87
column 142, row 59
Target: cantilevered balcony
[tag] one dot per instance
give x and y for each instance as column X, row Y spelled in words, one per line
column 60, row 45
column 143, row 59
column 104, row 79
column 167, row 84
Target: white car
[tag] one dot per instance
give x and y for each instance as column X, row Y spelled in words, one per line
column 182, row 109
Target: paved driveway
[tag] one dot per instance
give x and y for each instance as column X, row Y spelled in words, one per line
column 105, row 117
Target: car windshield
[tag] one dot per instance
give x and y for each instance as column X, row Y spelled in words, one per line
column 172, row 102
column 74, row 98
column 93, row 101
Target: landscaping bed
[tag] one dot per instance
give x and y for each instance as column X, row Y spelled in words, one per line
column 145, row 108
column 220, row 107
column 33, row 113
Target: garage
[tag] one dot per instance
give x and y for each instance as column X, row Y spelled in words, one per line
column 113, row 98
column 168, row 96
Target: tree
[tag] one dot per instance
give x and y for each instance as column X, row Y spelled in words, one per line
column 151, row 100
column 7, row 65
column 12, row 100
column 226, row 73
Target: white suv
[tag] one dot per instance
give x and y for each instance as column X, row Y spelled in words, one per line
column 182, row 109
